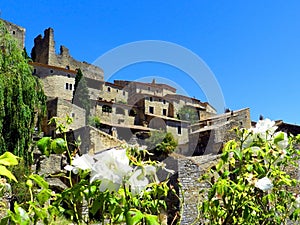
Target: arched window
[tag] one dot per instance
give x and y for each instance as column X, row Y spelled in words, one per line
column 106, row 108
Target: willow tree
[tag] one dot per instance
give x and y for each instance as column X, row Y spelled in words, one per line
column 22, row 100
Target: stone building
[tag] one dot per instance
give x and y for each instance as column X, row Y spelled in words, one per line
column 16, row 31
column 57, row 81
column 209, row 135
column 43, row 51
column 61, row 108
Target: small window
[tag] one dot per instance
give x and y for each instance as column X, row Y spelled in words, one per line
column 34, row 71
column 14, row 32
column 179, row 130
column 51, row 71
column 72, row 115
column 164, row 101
column 70, row 86
column 151, row 109
column 124, row 93
column 67, row 67
column 164, row 112
column 117, row 90
column 148, row 88
column 67, row 86
column 151, row 99
column 106, row 108
column 108, row 89
column 159, row 99
column 69, row 75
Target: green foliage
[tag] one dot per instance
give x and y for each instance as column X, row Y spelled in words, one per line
column 250, row 184
column 161, row 141
column 189, row 114
column 8, row 159
column 21, row 97
column 47, row 145
column 81, row 96
column 94, row 121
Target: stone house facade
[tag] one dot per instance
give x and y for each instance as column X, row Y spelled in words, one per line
column 57, row 81
column 61, row 108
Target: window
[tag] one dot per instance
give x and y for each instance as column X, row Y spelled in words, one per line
column 151, row 109
column 164, row 101
column 151, row 99
column 106, row 108
column 67, row 67
column 164, row 112
column 67, row 86
column 51, row 71
column 179, row 130
column 70, row 86
column 69, row 75
column 148, row 88
column 72, row 115
column 108, row 89
column 124, row 93
column 14, row 32
column 34, row 71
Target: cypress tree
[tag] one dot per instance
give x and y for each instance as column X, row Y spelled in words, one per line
column 81, row 96
column 22, row 100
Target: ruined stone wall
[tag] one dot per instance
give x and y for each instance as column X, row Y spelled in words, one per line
column 44, row 52
column 15, row 31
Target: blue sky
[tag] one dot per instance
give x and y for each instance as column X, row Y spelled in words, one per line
column 252, row 47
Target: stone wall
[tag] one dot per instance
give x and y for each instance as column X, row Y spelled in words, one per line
column 60, row 108
column 15, row 31
column 190, row 169
column 94, row 141
column 111, row 92
column 44, row 52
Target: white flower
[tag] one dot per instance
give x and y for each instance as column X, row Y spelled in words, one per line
column 297, row 201
column 138, row 182
column 264, row 184
column 83, row 162
column 264, row 129
column 112, row 166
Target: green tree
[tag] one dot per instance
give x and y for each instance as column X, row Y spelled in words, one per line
column 81, row 96
column 22, row 99
column 188, row 113
column 161, row 142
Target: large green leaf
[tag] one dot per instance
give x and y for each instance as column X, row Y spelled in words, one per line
column 39, row 180
column 8, row 159
column 44, row 145
column 59, row 145
column 133, row 217
column 5, row 172
column 151, row 219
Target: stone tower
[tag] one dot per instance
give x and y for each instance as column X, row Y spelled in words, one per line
column 44, row 48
